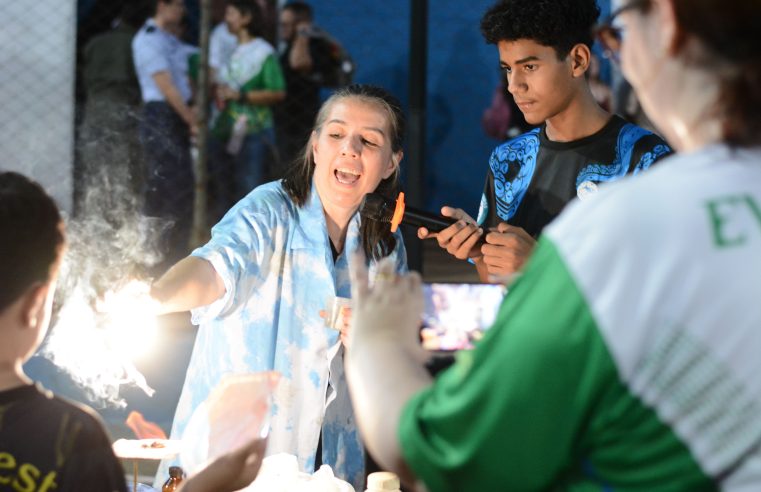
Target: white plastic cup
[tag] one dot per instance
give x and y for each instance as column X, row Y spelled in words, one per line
column 335, row 312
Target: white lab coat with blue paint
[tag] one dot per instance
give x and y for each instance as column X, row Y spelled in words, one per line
column 278, row 271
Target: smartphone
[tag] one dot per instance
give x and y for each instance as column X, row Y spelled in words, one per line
column 457, row 315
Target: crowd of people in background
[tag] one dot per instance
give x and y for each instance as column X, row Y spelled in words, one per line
column 267, row 70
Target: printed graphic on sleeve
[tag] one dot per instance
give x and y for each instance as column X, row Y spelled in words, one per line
column 625, row 146
column 513, row 165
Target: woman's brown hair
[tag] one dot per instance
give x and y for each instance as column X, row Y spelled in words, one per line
column 730, row 32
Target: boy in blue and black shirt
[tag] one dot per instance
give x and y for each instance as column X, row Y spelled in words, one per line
column 544, row 50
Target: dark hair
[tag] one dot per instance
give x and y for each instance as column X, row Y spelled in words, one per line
column 731, row 32
column 32, row 236
column 377, row 239
column 250, row 7
column 302, row 10
column 133, row 13
column 559, row 24
column 154, row 5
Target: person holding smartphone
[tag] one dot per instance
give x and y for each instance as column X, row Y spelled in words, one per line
column 626, row 355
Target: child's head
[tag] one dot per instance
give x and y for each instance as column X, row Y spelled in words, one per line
column 30, row 253
column 544, row 48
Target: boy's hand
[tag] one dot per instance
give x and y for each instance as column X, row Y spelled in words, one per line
column 461, row 239
column 506, row 250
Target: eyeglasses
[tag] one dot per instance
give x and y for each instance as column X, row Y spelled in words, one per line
column 610, row 35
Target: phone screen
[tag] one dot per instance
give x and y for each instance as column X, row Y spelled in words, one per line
column 456, row 315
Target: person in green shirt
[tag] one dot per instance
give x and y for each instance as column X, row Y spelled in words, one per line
column 243, row 137
column 626, row 355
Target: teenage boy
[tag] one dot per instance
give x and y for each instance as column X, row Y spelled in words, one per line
column 544, row 50
column 47, row 443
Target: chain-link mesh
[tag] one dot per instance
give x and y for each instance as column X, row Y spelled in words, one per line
column 37, row 56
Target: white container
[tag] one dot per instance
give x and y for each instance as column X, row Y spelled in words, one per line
column 280, row 473
column 382, row 482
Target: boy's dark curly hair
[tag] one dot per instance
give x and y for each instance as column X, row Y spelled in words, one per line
column 377, row 239
column 559, row 24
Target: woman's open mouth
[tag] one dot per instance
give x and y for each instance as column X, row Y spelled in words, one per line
column 346, row 176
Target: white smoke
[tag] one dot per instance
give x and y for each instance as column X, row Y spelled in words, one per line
column 109, row 244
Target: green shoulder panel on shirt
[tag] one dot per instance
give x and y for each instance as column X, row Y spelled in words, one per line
column 270, row 77
column 539, row 405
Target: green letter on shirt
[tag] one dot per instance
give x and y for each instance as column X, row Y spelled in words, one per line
column 719, row 221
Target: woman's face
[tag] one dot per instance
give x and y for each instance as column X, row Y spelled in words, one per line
column 352, row 153
column 235, row 20
column 635, row 51
column 644, row 56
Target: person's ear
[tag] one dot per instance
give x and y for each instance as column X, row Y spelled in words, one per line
column 580, row 57
column 313, row 143
column 33, row 304
column 396, row 158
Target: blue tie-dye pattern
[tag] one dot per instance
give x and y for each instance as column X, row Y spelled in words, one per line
column 349, row 444
column 522, row 151
column 315, row 378
column 627, row 138
column 278, row 270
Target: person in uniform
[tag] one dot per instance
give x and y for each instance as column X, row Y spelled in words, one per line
column 166, row 124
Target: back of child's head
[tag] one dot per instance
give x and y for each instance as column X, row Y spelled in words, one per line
column 32, row 236
column 559, row 24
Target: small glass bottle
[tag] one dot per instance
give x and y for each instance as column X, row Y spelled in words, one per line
column 174, row 480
